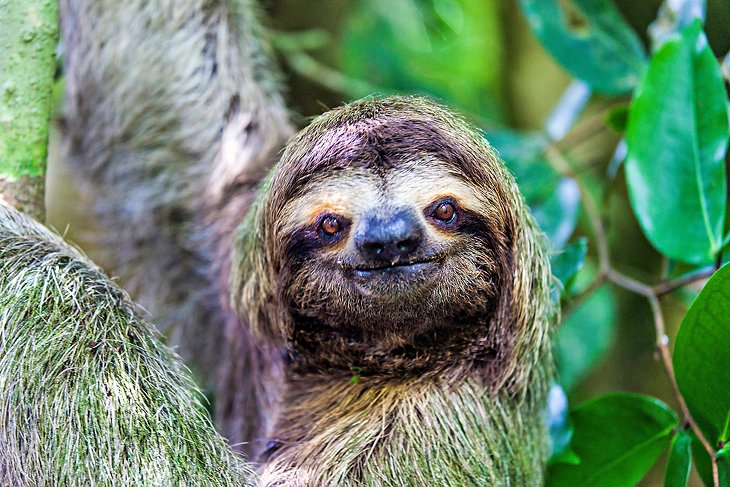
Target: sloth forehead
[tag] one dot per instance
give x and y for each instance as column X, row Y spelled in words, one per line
column 350, row 192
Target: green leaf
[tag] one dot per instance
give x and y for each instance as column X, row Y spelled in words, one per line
column 450, row 49
column 618, row 437
column 566, row 263
column 723, row 467
column 704, row 466
column 679, row 461
column 553, row 199
column 590, row 39
column 701, row 460
column 617, row 117
column 702, row 354
column 585, row 336
column 677, row 137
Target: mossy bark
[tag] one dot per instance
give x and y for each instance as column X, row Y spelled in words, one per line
column 28, row 37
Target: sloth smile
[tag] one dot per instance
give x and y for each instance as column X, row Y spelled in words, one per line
column 407, row 267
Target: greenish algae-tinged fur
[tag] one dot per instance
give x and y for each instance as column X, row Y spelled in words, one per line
column 88, row 393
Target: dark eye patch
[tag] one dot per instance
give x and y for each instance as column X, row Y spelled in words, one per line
column 463, row 220
column 307, row 239
column 332, row 227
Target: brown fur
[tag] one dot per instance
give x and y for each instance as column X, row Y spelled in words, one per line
column 481, row 324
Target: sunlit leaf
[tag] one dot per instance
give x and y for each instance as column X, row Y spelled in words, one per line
column 672, row 17
column 702, row 355
column 561, row 431
column 618, row 438
column 590, row 39
column 585, row 336
column 566, row 112
column 677, row 137
column 679, row 461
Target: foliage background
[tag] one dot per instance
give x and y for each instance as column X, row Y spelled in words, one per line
column 481, row 58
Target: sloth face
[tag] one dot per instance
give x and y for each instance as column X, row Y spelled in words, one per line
column 408, row 246
column 389, row 215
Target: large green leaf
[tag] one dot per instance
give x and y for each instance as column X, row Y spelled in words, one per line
column 679, row 461
column 618, row 437
column 585, row 336
column 702, row 355
column 677, row 137
column 590, row 39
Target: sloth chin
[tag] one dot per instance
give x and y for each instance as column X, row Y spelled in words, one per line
column 397, row 278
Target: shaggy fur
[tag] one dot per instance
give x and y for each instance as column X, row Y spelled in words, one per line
column 333, row 379
column 172, row 116
column 431, row 378
column 88, row 394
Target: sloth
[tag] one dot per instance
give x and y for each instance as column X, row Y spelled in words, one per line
column 381, row 317
column 383, row 314
column 391, row 315
column 395, row 290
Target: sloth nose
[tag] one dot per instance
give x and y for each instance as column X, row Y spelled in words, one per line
column 391, row 239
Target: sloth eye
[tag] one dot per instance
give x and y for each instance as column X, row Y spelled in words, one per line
column 444, row 211
column 330, row 226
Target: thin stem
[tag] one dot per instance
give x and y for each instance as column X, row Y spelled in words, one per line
column 662, row 345
column 667, row 287
column 629, row 283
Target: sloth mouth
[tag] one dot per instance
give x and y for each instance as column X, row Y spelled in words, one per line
column 409, row 267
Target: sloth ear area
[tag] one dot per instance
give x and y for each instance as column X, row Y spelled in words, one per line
column 528, row 311
column 251, row 284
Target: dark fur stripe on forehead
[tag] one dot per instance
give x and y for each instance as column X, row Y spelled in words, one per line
column 378, row 134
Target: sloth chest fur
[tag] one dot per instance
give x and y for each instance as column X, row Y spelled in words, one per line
column 407, row 433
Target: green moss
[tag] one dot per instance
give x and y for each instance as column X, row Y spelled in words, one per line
column 28, row 37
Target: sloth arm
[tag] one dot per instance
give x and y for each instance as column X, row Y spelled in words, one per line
column 89, row 395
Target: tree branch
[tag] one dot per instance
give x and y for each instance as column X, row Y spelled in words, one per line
column 28, row 37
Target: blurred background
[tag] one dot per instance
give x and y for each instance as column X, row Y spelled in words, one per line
column 481, row 58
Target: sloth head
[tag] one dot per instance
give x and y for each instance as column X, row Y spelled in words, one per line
column 391, row 229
